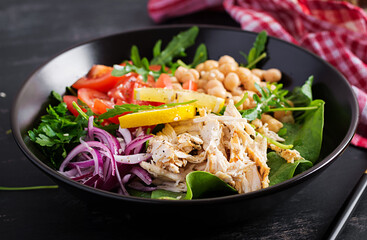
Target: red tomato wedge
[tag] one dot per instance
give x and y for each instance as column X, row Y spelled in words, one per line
column 190, row 85
column 68, row 99
column 98, row 78
column 88, row 96
column 157, row 68
column 101, row 105
column 124, row 89
column 164, row 81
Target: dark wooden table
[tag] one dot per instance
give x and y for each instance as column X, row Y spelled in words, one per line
column 31, row 32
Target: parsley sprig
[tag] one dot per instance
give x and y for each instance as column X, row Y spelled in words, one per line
column 58, row 131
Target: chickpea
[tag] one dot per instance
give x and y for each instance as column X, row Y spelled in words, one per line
column 210, row 64
column 258, row 72
column 176, row 86
column 215, row 74
column 272, row 75
column 174, row 80
column 231, row 81
column 249, row 83
column 227, row 59
column 200, row 90
column 236, row 99
column 217, row 91
column 228, row 97
column 280, row 114
column 285, row 116
column 202, row 83
column 200, row 67
column 249, row 101
column 187, row 76
column 227, row 68
column 287, row 119
column 257, row 123
column 195, row 74
column 237, row 91
column 244, row 74
column 179, row 72
column 273, row 124
column 213, row 83
column 204, row 75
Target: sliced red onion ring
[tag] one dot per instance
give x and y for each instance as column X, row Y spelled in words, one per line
column 137, row 142
column 82, row 164
column 91, row 180
column 132, row 159
column 141, row 187
column 142, row 174
column 98, row 161
column 83, row 176
column 125, row 133
column 79, row 149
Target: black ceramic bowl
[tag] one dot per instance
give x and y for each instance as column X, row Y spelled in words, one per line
column 297, row 64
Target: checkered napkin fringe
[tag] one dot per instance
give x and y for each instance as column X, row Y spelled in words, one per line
column 334, row 30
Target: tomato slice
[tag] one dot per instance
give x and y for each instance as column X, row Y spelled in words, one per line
column 68, row 99
column 88, row 96
column 101, row 105
column 98, row 78
column 164, row 81
column 124, row 89
column 158, row 68
column 190, row 85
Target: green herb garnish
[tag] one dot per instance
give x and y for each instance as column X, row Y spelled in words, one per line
column 256, row 53
column 58, row 131
column 176, row 47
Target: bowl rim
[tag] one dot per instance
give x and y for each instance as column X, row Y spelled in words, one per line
column 237, row 197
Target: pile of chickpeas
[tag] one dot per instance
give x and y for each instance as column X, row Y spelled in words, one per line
column 226, row 79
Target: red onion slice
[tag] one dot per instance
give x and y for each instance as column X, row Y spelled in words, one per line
column 142, row 174
column 125, row 133
column 137, row 142
column 132, row 159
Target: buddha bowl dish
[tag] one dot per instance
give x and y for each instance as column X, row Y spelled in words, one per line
column 143, row 189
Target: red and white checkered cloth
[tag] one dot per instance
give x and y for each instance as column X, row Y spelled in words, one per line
column 334, row 30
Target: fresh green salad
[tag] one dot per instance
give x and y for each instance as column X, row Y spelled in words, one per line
column 174, row 127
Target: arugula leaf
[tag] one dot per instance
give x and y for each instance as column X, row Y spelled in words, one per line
column 269, row 99
column 176, row 47
column 135, row 56
column 256, row 53
column 157, row 48
column 144, row 70
column 131, row 108
column 201, row 55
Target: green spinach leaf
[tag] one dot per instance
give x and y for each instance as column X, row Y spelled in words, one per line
column 203, row 185
column 164, row 194
column 282, row 171
column 306, row 134
column 302, row 96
